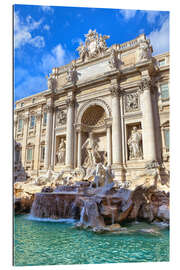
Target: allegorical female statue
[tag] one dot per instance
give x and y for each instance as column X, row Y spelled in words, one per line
column 134, row 144
column 61, row 153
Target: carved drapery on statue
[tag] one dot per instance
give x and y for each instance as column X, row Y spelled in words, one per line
column 95, row 45
column 72, row 74
column 51, row 83
column 135, row 144
column 61, row 153
column 145, row 50
column 92, row 155
column 113, row 61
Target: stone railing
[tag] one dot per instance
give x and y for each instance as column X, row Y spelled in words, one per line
column 129, row 44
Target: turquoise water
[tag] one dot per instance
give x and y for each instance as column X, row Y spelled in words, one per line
column 52, row 243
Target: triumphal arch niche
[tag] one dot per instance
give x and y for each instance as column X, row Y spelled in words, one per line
column 102, row 107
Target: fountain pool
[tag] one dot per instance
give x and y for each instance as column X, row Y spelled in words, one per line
column 47, row 242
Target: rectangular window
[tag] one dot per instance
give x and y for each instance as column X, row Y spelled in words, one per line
column 42, row 152
column 20, row 124
column 166, row 136
column 29, row 154
column 164, row 92
column 32, row 121
column 162, row 62
column 45, row 119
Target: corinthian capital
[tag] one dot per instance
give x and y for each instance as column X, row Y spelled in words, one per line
column 115, row 90
column 48, row 108
column 146, row 83
column 69, row 102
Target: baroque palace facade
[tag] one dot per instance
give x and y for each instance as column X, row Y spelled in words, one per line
column 113, row 100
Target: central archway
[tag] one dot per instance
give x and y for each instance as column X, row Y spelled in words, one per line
column 89, row 104
column 94, row 116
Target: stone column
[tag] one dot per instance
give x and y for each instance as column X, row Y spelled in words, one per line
column 53, row 140
column 37, row 140
column 69, row 133
column 116, row 126
column 149, row 145
column 109, row 145
column 48, row 136
column 24, row 142
column 79, row 148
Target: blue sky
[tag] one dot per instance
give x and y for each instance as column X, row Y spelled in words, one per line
column 47, row 37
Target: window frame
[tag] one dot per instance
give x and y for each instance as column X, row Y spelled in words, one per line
column 18, row 127
column 30, row 121
column 28, row 149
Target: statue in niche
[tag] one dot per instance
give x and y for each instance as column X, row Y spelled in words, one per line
column 144, row 50
column 93, row 156
column 61, row 153
column 61, row 117
column 134, row 144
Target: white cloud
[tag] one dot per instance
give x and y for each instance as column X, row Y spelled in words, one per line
column 53, row 59
column 77, row 40
column 47, row 9
column 128, row 13
column 151, row 16
column 46, row 27
column 23, row 32
column 160, row 38
column 30, row 85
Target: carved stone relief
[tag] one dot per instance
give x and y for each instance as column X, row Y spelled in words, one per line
column 95, row 45
column 61, row 118
column 131, row 102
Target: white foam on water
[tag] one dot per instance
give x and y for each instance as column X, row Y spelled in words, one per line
column 161, row 224
column 61, row 220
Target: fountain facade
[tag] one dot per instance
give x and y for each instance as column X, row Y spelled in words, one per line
column 105, row 107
